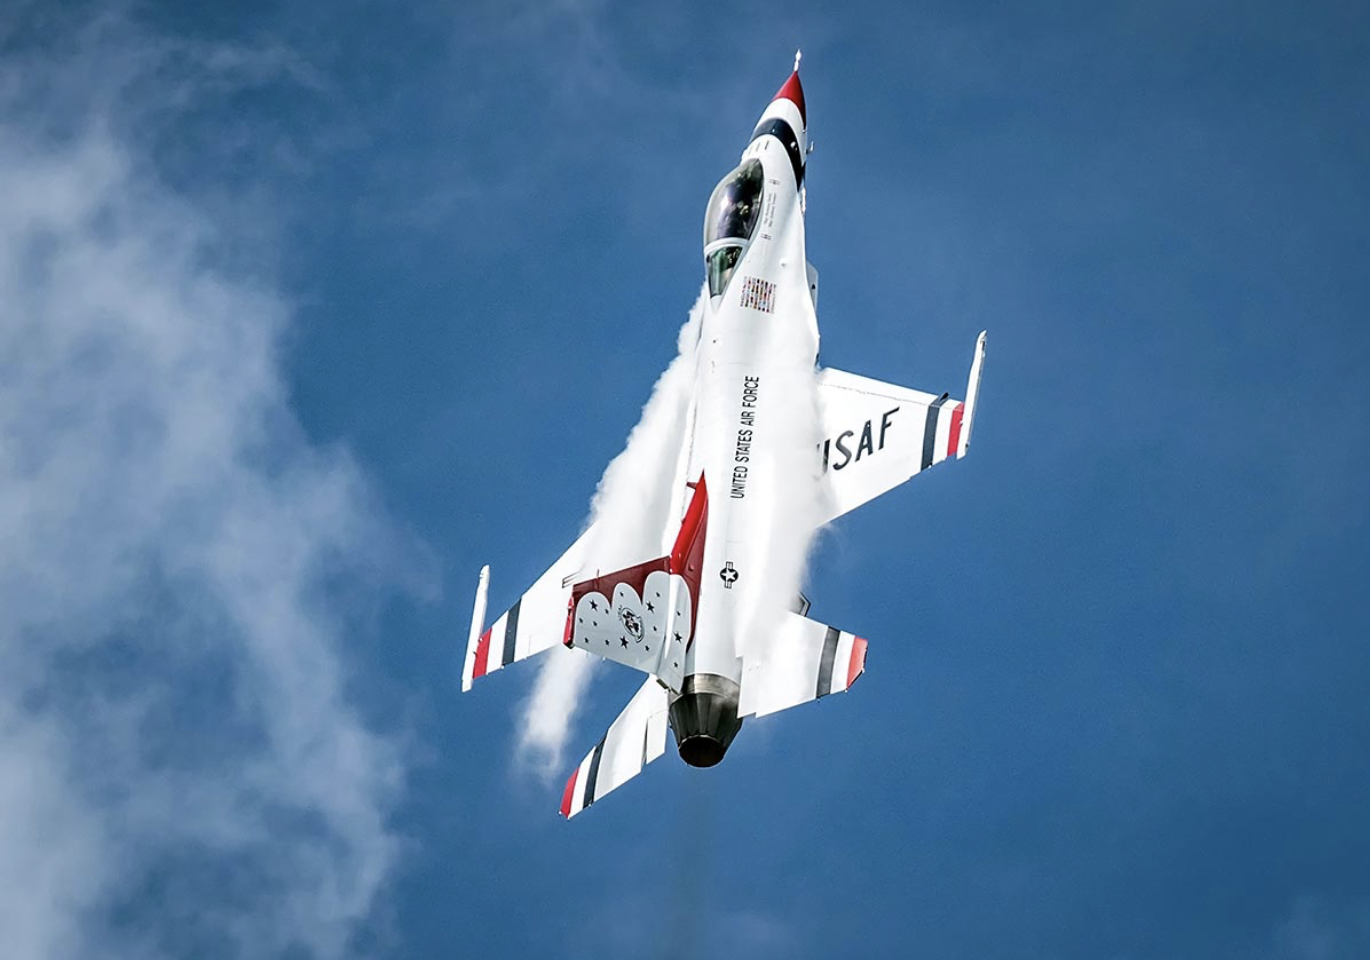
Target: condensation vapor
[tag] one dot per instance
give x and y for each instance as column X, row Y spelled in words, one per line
column 632, row 518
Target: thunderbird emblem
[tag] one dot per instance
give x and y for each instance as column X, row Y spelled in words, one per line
column 631, row 622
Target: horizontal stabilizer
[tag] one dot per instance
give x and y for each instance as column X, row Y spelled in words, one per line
column 634, row 740
column 804, row 660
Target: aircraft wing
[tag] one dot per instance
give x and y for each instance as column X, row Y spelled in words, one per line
column 878, row 435
column 536, row 622
column 634, row 740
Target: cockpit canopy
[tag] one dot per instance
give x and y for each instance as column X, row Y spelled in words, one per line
column 735, row 203
column 729, row 221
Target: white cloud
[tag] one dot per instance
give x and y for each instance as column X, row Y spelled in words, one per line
column 182, row 769
column 1323, row 928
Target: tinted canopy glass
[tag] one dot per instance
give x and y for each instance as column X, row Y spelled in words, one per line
column 734, row 206
column 719, row 265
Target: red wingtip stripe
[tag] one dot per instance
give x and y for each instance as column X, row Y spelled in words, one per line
column 794, row 93
column 482, row 655
column 569, row 793
column 857, row 666
column 954, row 434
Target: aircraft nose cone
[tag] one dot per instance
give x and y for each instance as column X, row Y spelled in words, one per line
column 793, row 92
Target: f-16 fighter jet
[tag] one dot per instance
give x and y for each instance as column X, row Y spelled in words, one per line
column 761, row 450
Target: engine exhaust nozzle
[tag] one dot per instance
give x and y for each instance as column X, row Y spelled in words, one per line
column 704, row 718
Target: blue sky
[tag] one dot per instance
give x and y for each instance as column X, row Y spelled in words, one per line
column 309, row 310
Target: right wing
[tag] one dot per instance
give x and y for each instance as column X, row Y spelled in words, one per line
column 634, row 740
column 878, row 435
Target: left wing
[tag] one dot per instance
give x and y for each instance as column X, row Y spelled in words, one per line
column 536, row 621
column 878, row 435
column 539, row 618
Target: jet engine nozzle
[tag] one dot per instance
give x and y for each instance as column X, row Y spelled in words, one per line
column 704, row 718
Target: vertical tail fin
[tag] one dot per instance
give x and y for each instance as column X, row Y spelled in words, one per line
column 643, row 616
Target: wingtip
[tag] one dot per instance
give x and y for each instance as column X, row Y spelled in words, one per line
column 477, row 637
column 972, row 392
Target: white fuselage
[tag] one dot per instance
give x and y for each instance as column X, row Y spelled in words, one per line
column 754, row 411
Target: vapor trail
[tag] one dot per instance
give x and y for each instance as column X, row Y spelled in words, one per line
column 631, row 514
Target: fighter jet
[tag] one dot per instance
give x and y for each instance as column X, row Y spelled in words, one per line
column 765, row 449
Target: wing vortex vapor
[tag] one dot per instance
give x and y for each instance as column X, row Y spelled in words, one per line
column 628, row 521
